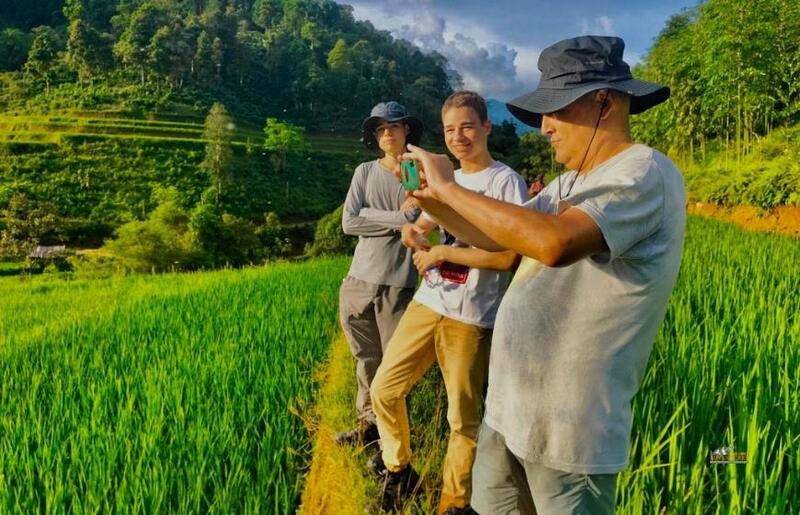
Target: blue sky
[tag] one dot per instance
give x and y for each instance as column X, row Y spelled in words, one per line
column 495, row 44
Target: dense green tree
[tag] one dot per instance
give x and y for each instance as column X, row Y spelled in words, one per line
column 217, row 58
column 202, row 63
column 134, row 41
column 221, row 238
column 274, row 237
column 248, row 57
column 267, row 13
column 339, row 57
column 218, row 162
column 732, row 71
column 534, row 156
column 42, row 55
column 170, row 52
column 14, row 47
column 281, row 139
column 503, row 140
column 88, row 50
column 25, row 14
column 28, row 223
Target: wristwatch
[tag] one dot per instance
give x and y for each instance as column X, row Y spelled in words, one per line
column 412, row 214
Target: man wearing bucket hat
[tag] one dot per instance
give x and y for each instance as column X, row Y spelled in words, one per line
column 382, row 275
column 602, row 247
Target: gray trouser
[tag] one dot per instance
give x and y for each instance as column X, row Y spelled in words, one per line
column 369, row 314
column 503, row 484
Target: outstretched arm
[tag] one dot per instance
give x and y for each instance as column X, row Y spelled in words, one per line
column 554, row 240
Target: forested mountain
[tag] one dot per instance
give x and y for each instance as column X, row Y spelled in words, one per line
column 307, row 61
column 104, row 104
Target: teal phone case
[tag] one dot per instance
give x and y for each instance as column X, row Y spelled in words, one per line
column 410, row 175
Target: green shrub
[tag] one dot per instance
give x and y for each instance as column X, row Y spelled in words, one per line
column 223, row 239
column 329, row 239
column 768, row 176
column 274, row 237
column 160, row 243
column 26, row 224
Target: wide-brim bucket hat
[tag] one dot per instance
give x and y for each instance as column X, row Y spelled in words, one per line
column 574, row 67
column 391, row 112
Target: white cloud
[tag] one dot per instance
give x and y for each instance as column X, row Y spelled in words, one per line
column 486, row 66
column 601, row 26
column 606, row 25
column 527, row 70
column 425, row 29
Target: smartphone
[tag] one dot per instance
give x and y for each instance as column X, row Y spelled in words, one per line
column 409, row 175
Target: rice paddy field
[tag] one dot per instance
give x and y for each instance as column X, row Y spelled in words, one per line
column 195, row 393
column 723, row 373
column 162, row 394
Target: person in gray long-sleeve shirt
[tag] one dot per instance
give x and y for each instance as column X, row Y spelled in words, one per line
column 382, row 275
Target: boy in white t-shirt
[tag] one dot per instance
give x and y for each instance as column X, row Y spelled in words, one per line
column 449, row 321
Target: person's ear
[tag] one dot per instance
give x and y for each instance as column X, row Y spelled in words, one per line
column 488, row 126
column 606, row 101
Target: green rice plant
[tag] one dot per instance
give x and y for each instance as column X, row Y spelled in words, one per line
column 174, row 393
column 721, row 374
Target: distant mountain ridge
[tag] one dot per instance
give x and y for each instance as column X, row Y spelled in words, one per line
column 498, row 113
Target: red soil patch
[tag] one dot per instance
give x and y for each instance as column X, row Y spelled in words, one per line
column 783, row 219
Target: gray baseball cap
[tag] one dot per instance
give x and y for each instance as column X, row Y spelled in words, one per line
column 574, row 67
column 391, row 112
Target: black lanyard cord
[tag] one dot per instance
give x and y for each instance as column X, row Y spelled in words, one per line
column 589, row 146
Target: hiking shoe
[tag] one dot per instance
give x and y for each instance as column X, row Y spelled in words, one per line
column 362, row 434
column 375, row 464
column 397, row 487
column 466, row 510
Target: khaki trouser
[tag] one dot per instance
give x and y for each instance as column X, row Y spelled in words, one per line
column 462, row 351
column 369, row 314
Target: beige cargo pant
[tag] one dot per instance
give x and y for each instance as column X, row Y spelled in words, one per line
column 369, row 314
column 462, row 351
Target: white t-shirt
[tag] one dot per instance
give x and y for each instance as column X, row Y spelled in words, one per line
column 476, row 300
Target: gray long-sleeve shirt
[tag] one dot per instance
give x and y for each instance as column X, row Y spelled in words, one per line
column 372, row 212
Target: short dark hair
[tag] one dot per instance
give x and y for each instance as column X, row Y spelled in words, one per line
column 467, row 99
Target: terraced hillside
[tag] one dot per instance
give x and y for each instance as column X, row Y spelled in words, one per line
column 100, row 125
column 102, row 168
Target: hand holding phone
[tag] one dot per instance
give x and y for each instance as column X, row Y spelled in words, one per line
column 409, row 175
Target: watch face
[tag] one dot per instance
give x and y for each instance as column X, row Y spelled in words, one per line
column 446, row 238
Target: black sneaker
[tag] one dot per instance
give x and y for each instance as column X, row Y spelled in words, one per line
column 397, row 487
column 466, row 510
column 362, row 434
column 375, row 464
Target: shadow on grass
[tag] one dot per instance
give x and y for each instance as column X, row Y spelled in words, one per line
column 10, row 269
